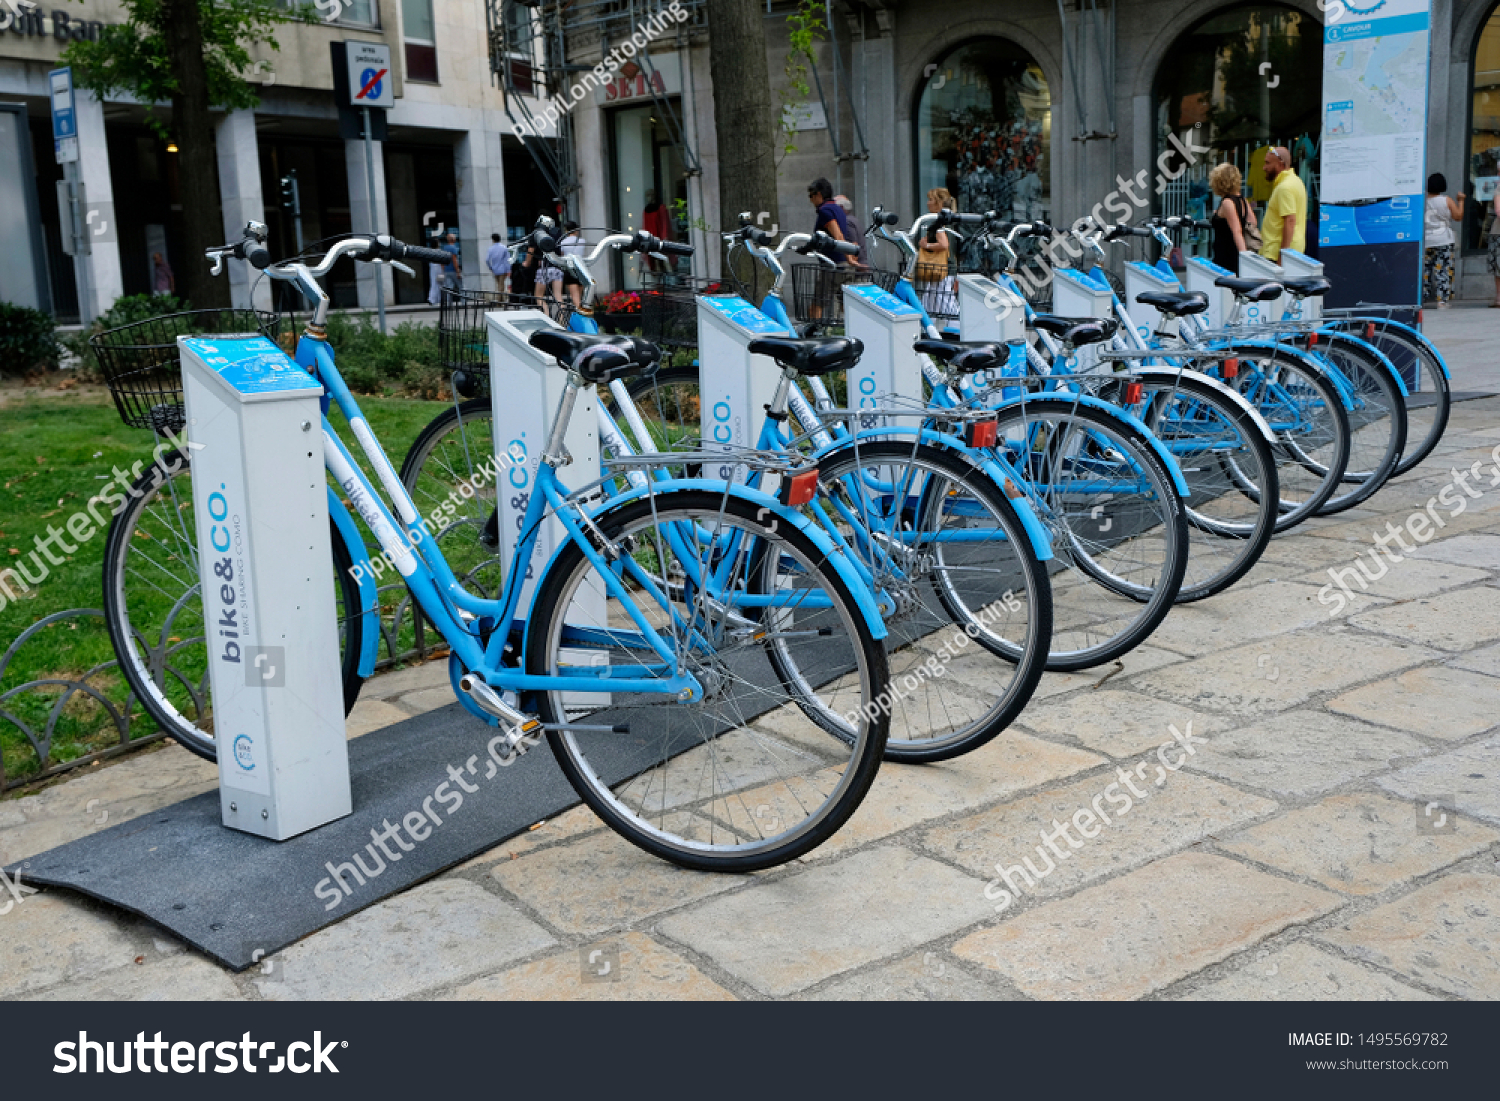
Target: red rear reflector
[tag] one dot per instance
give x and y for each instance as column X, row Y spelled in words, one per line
column 1312, row 340
column 983, row 433
column 799, row 488
column 1419, row 318
column 1133, row 393
column 1369, row 330
column 1231, row 368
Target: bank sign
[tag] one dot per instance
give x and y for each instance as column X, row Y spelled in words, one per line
column 27, row 20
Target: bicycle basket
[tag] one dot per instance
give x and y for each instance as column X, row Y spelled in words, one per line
column 818, row 290
column 669, row 318
column 141, row 365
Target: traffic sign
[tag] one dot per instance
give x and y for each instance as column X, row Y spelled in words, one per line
column 370, row 81
column 64, row 116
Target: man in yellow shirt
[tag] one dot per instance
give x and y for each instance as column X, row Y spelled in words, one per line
column 1285, row 223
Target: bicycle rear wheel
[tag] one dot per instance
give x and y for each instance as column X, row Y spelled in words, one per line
column 1118, row 527
column 1377, row 422
column 742, row 779
column 1429, row 398
column 944, row 542
column 154, row 608
column 1232, row 507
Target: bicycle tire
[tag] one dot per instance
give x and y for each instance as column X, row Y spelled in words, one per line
column 1377, row 424
column 1214, row 523
column 835, row 772
column 954, row 718
column 152, row 679
column 1427, row 384
column 1081, row 638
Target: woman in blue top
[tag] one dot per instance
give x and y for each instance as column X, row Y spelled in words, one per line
column 831, row 217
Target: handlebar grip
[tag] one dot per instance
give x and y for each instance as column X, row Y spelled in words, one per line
column 419, row 253
column 257, row 254
column 676, row 248
column 848, row 248
column 969, row 219
column 887, row 218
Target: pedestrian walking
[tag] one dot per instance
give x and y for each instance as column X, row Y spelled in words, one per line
column 162, row 279
column 1285, row 224
column 1438, row 241
column 498, row 261
column 453, row 272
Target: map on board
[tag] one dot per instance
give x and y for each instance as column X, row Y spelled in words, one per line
column 1375, row 73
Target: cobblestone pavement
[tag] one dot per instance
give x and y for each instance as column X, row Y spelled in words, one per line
column 1334, row 833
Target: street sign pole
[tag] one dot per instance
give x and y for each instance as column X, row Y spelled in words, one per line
column 374, row 219
column 65, row 146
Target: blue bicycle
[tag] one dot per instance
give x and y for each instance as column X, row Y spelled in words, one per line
column 640, row 648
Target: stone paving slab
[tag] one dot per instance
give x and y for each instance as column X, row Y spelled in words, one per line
column 1302, row 973
column 1127, row 832
column 431, row 935
column 1450, row 621
column 1486, row 661
column 1480, row 551
column 807, row 927
column 1433, row 701
column 631, row 967
column 1218, row 624
column 49, row 939
column 1445, row 935
column 1303, row 753
column 602, row 882
column 1274, row 676
column 1405, row 581
column 1117, row 723
column 1466, row 780
column 179, row 978
column 920, row 977
column 1143, row 931
column 1358, row 844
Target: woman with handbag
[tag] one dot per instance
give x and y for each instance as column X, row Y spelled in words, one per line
column 932, row 258
column 1236, row 229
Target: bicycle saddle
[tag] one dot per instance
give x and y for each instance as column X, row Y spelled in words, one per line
column 1252, row 290
column 817, row 356
column 597, row 358
column 1176, row 304
column 1314, row 286
column 1077, row 331
column 965, row 358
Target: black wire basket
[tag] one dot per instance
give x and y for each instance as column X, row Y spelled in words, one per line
column 818, row 290
column 463, row 339
column 669, row 317
column 142, row 367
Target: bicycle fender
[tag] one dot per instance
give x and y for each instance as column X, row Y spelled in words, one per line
column 1041, row 542
column 1419, row 337
column 369, row 599
column 1114, row 412
column 766, row 504
column 1235, row 398
column 1309, row 362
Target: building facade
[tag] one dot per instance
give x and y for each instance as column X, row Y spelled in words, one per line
column 1016, row 107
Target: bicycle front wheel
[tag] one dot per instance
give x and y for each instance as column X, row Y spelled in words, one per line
column 741, row 779
column 945, row 544
column 1429, row 398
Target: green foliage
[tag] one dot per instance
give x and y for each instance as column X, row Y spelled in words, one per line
column 133, row 57
column 680, row 215
column 805, row 28
column 127, row 310
column 28, row 339
column 407, row 362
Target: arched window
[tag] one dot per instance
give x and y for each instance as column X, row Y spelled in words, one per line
column 1484, row 138
column 1240, row 81
column 984, row 130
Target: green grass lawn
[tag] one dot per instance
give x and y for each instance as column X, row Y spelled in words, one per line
column 61, row 449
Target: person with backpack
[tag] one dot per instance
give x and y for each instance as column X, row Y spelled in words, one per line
column 1235, row 226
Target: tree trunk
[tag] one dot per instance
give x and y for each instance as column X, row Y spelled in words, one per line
column 743, row 113
column 197, row 160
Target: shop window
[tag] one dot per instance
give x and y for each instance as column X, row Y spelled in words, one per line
column 984, row 130
column 1484, row 138
column 1211, row 88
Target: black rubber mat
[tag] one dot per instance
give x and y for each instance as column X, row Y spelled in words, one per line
column 237, row 897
